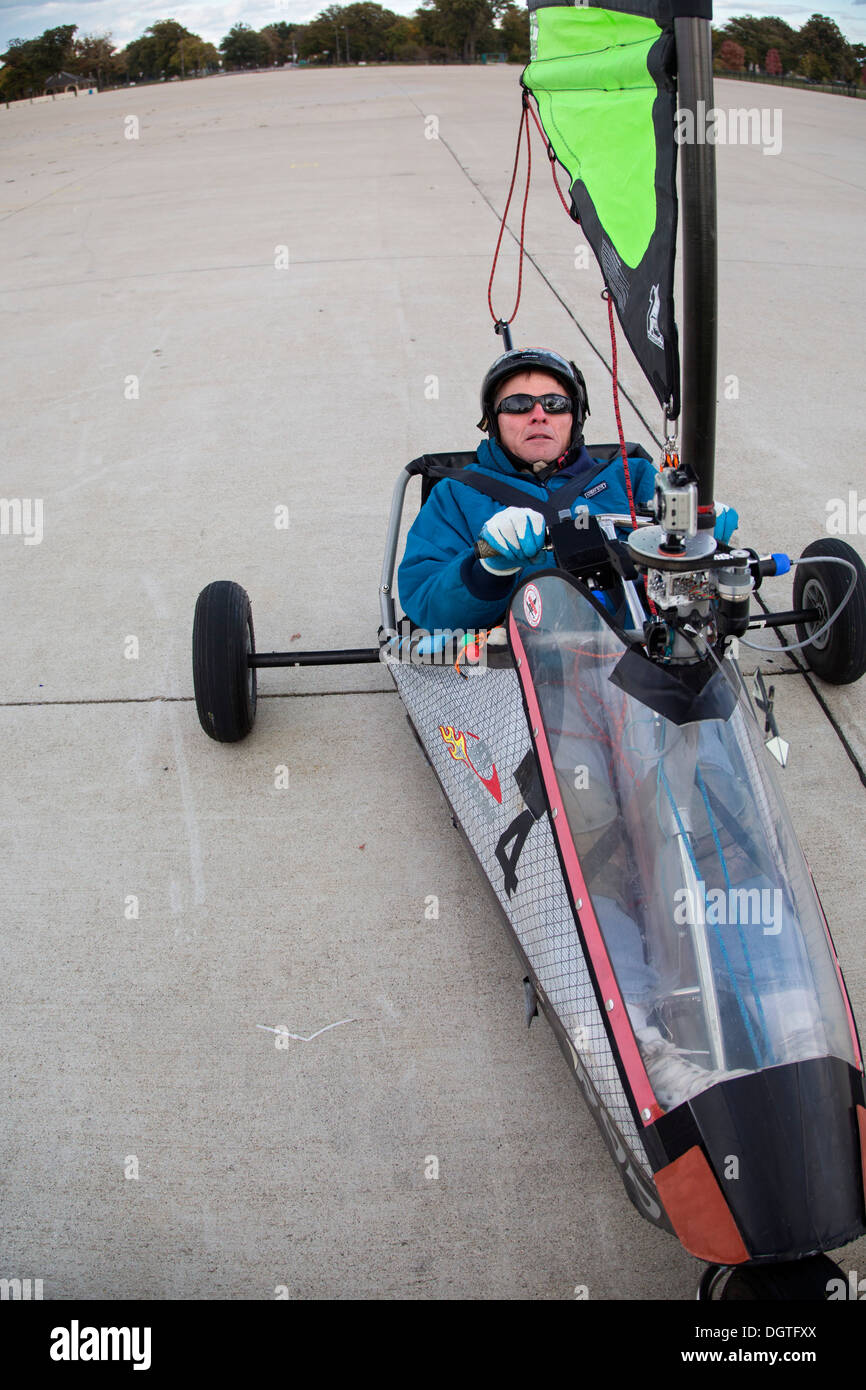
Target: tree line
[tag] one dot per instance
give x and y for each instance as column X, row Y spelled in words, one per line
column 440, row 31
column 818, row 51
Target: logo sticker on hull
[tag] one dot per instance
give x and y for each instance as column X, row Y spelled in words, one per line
column 532, row 605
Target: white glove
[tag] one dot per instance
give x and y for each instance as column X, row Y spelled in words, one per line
column 515, row 534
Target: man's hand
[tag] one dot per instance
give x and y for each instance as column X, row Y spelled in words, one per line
column 516, row 534
column 727, row 522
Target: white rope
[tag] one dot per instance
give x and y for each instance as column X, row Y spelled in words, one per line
column 299, row 1037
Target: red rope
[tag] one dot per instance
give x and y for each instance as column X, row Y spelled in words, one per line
column 551, row 154
column 524, row 122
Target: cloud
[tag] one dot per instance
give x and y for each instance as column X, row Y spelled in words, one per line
column 735, row 10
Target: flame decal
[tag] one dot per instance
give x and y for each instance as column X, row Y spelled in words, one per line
column 455, row 742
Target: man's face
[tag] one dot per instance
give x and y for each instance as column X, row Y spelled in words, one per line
column 535, row 437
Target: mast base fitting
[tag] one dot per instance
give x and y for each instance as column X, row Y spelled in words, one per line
column 647, row 547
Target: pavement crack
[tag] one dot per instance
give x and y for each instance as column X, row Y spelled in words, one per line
column 182, row 699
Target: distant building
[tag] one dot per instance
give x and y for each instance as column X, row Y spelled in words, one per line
column 66, row 82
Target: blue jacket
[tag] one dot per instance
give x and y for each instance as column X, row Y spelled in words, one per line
column 443, row 585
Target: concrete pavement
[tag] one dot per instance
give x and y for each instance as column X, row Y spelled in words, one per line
column 272, row 296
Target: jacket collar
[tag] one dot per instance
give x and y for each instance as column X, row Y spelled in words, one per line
column 491, row 455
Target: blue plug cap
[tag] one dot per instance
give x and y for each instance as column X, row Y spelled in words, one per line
column 783, row 562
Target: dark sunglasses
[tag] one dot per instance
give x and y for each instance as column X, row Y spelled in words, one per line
column 551, row 402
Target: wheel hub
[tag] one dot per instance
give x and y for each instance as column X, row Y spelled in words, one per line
column 815, row 597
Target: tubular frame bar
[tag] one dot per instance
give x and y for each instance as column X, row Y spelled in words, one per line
column 794, row 615
column 347, row 656
column 386, row 582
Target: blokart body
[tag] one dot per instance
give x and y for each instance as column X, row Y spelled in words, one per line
column 637, row 844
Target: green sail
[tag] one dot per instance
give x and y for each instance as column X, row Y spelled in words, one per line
column 605, row 90
column 596, row 107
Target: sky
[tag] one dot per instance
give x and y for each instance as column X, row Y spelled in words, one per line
column 126, row 21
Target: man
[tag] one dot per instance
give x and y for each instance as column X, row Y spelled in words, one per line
column 533, row 405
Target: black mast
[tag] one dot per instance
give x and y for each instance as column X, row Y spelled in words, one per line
column 700, row 278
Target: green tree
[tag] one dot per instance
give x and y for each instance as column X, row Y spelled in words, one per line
column 193, row 56
column 775, row 33
column 242, row 47
column 815, row 68
column 821, row 38
column 140, row 55
column 94, row 55
column 359, row 33
column 29, row 62
column 405, row 42
column 514, row 28
column 279, row 38
column 150, row 57
column 366, row 31
column 317, row 40
column 429, row 34
column 54, row 49
column 461, row 25
column 19, row 75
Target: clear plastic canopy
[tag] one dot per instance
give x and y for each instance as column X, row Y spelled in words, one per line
column 703, row 898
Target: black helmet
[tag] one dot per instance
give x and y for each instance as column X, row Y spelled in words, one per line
column 534, row 360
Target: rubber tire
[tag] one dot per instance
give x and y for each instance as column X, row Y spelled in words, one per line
column 224, row 682
column 841, row 656
column 792, row 1280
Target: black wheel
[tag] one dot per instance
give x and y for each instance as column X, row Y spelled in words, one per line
column 224, row 681
column 839, row 656
column 807, row 1279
